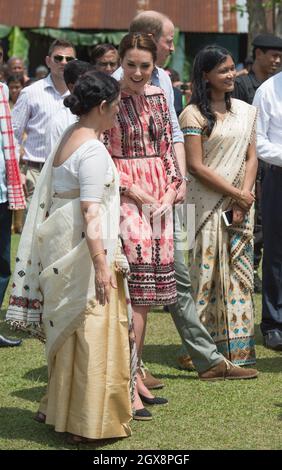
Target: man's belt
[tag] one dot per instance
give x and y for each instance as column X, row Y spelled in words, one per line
column 36, row 165
column 277, row 169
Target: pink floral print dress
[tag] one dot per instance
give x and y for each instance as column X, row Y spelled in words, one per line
column 142, row 149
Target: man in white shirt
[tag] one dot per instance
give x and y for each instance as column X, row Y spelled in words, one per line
column 268, row 99
column 198, row 344
column 64, row 117
column 36, row 106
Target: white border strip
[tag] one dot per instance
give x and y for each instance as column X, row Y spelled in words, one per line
column 220, row 16
column 242, row 20
column 43, row 12
column 66, row 13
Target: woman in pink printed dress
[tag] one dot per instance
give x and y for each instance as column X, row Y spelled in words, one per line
column 142, row 149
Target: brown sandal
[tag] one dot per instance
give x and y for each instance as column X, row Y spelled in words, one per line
column 75, row 439
column 40, row 417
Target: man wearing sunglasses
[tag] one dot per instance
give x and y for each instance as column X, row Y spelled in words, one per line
column 36, row 106
column 64, row 117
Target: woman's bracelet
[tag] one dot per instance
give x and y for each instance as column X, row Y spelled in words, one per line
column 99, row 253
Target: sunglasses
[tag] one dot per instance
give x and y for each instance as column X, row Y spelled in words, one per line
column 59, row 58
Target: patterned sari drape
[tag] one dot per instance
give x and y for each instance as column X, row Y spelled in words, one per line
column 221, row 261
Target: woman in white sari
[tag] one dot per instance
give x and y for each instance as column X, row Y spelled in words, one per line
column 221, row 157
column 66, row 275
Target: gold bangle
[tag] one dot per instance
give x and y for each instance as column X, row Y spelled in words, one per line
column 99, row 253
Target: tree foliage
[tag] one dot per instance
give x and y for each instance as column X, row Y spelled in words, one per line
column 264, row 17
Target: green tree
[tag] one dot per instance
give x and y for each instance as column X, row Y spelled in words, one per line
column 278, row 25
column 18, row 43
column 257, row 18
column 260, row 13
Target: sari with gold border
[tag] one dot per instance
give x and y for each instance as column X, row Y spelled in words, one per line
column 221, row 262
column 87, row 345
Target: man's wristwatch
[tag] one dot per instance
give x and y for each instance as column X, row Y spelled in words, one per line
column 185, row 178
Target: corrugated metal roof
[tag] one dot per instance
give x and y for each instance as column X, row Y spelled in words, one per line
column 13, row 13
column 188, row 15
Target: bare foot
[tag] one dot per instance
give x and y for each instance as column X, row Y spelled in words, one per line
column 141, row 388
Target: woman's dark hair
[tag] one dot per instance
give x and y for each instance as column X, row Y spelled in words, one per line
column 17, row 77
column 90, row 90
column 74, row 69
column 100, row 50
column 205, row 61
column 142, row 41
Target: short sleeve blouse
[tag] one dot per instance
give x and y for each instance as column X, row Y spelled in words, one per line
column 191, row 121
column 87, row 169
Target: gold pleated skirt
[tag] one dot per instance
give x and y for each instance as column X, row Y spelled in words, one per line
column 89, row 384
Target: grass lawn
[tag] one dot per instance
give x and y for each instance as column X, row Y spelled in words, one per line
column 219, row 415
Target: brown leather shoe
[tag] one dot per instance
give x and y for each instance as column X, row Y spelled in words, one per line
column 185, row 363
column 226, row 370
column 149, row 380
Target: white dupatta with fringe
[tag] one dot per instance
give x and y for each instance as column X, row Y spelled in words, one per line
column 54, row 275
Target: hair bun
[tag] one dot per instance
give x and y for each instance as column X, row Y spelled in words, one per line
column 90, row 90
column 96, row 89
column 74, row 104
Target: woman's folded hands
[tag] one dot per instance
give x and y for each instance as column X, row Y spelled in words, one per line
column 148, row 203
column 245, row 199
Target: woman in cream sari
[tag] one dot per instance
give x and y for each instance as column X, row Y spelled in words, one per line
column 220, row 150
column 65, row 275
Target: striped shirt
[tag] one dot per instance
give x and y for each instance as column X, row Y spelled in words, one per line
column 36, row 105
column 63, row 119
